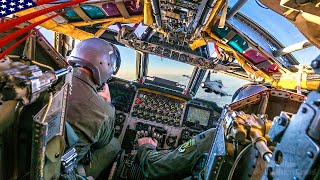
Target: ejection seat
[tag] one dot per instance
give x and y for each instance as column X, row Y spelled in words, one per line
column 70, row 166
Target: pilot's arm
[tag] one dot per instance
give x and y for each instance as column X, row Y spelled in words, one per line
column 92, row 119
column 173, row 164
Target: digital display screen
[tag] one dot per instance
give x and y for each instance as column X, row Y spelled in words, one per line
column 197, row 115
column 120, row 99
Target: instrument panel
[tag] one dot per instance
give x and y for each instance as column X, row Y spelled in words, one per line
column 159, row 108
column 174, row 119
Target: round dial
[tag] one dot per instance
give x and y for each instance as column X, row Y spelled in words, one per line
column 171, row 140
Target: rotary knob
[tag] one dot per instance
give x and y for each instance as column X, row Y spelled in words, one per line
column 185, row 134
column 148, row 108
column 134, row 113
column 120, row 117
column 146, row 116
column 117, row 129
column 170, row 121
column 140, row 114
column 135, row 107
column 139, row 126
column 158, row 119
column 171, row 140
column 164, row 120
column 152, row 117
column 153, row 109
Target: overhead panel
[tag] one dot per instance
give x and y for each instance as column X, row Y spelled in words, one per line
column 241, row 45
column 253, row 43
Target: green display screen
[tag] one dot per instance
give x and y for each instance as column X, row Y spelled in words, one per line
column 197, row 115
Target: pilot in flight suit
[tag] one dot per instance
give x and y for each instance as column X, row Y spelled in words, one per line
column 90, row 115
column 178, row 163
column 173, row 164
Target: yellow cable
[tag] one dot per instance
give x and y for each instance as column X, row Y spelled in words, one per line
column 48, row 107
column 13, row 56
column 34, row 62
column 42, row 65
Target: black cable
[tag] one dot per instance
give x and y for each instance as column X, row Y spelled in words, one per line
column 262, row 6
column 235, row 164
column 236, row 148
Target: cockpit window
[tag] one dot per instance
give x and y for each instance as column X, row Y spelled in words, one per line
column 229, row 85
column 128, row 64
column 169, row 69
column 283, row 30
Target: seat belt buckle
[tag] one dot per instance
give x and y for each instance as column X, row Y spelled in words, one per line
column 68, row 161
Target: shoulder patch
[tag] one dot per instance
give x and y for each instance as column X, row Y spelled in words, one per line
column 186, row 145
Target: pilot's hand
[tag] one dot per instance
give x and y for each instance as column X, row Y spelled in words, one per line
column 147, row 140
column 105, row 93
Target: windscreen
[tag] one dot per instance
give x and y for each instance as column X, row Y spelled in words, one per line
column 169, row 69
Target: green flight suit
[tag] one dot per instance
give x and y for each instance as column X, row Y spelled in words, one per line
column 92, row 119
column 174, row 164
